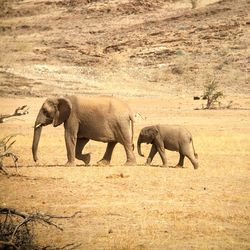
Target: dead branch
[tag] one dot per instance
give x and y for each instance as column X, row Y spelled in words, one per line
column 5, row 151
column 5, row 243
column 70, row 246
column 18, row 112
column 25, row 219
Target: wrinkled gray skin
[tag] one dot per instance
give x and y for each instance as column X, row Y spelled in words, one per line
column 174, row 138
column 104, row 119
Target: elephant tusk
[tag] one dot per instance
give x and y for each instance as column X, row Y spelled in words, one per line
column 38, row 125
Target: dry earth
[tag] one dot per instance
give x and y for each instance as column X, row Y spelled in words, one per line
column 140, row 207
column 155, row 55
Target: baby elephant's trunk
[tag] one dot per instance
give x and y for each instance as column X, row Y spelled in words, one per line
column 139, row 147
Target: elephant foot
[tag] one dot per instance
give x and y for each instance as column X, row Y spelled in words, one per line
column 86, row 158
column 130, row 163
column 196, row 166
column 179, row 166
column 70, row 164
column 103, row 162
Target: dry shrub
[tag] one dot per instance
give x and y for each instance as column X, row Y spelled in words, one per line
column 211, row 94
column 16, row 229
column 5, row 151
column 22, row 239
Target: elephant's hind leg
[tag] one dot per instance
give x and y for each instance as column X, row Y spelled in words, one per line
column 130, row 154
column 124, row 137
column 181, row 161
column 193, row 161
column 108, row 154
column 81, row 142
column 186, row 151
column 191, row 157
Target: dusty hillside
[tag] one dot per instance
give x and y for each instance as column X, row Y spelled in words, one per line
column 127, row 47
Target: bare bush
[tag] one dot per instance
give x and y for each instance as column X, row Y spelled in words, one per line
column 7, row 142
column 16, row 229
column 5, row 151
column 211, row 94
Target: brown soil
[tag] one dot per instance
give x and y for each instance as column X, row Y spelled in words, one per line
column 155, row 55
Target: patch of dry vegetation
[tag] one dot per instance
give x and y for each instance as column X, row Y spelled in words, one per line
column 17, row 231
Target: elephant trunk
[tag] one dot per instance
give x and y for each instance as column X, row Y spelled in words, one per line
column 139, row 147
column 37, row 135
column 36, row 138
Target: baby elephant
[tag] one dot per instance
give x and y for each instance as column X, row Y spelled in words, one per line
column 174, row 138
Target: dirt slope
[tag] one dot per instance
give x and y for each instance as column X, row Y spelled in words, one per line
column 129, row 47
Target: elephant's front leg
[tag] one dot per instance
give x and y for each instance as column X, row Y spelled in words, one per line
column 70, row 140
column 161, row 150
column 151, row 155
column 108, row 153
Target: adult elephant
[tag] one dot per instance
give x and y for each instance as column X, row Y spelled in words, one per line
column 105, row 119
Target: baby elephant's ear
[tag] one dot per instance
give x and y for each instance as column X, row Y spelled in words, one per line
column 64, row 107
column 152, row 132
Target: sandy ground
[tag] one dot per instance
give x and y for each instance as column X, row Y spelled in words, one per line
column 139, row 207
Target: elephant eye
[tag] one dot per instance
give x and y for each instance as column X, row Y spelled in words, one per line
column 45, row 112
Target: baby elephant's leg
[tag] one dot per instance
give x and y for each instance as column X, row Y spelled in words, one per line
column 151, row 155
column 181, row 161
column 194, row 161
column 161, row 151
column 186, row 151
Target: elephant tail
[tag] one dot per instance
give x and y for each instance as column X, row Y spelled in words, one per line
column 131, row 118
column 195, row 154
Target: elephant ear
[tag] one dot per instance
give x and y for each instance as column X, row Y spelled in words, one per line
column 152, row 132
column 63, row 110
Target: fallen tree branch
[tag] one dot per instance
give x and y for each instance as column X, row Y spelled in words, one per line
column 18, row 112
